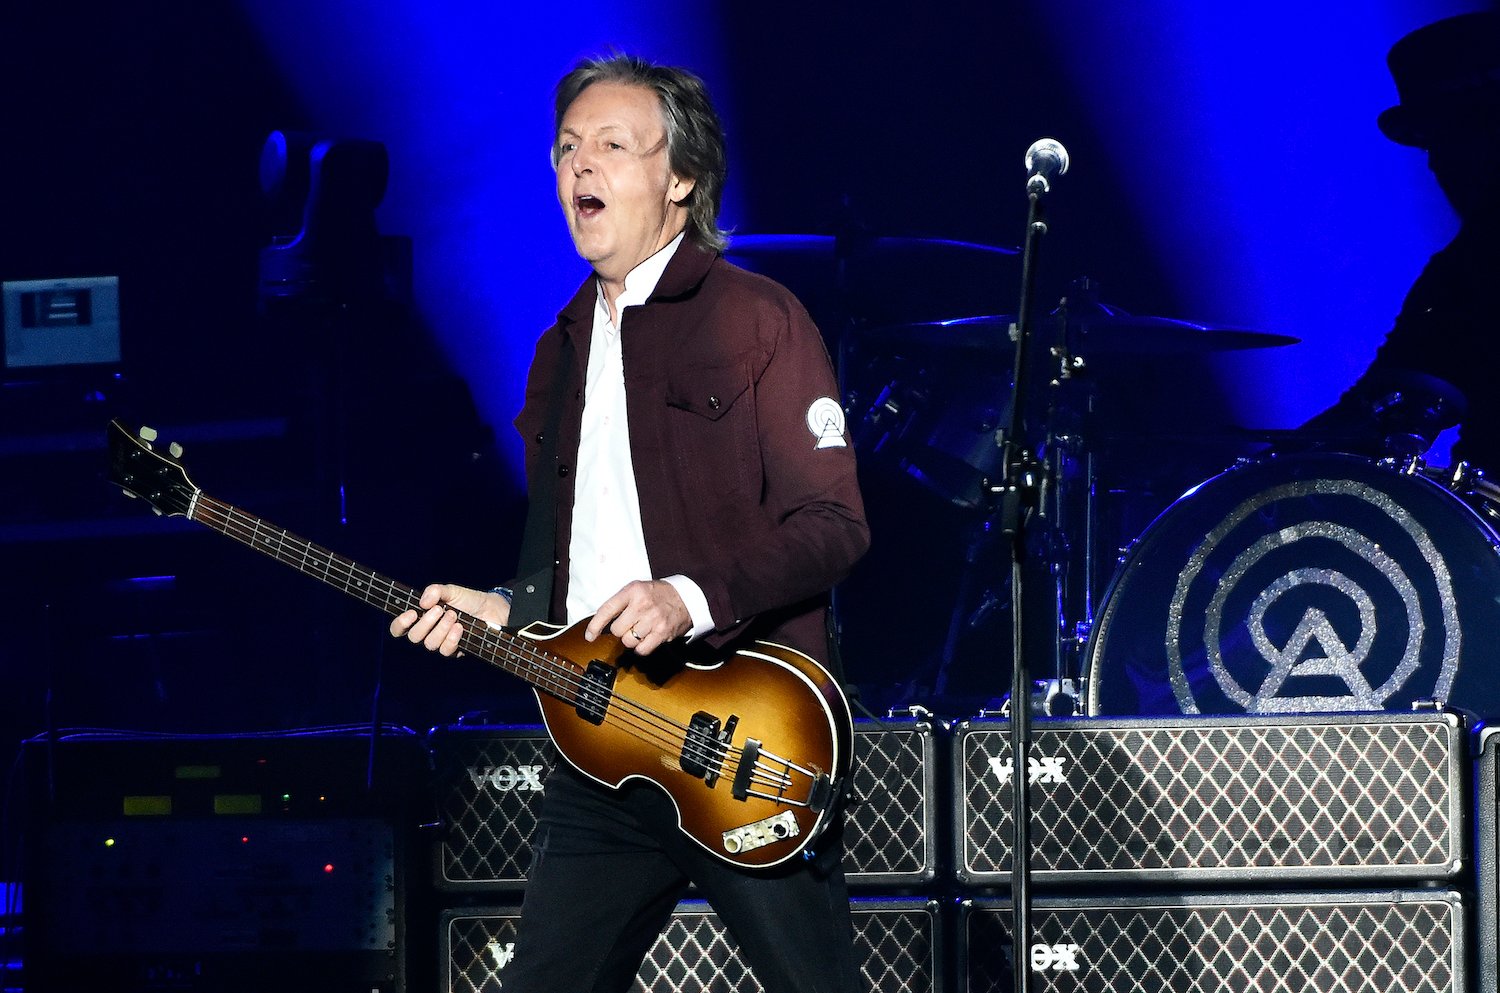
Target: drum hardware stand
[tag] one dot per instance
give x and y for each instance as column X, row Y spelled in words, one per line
column 1018, row 495
column 1461, row 478
column 972, row 586
column 1070, row 446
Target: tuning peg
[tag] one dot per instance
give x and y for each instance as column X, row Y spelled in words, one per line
column 147, row 434
column 175, row 449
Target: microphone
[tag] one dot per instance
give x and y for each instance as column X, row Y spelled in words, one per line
column 1045, row 159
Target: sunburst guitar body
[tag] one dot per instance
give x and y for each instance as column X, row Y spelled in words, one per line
column 753, row 747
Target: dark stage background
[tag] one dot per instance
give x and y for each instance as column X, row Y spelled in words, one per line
column 1226, row 169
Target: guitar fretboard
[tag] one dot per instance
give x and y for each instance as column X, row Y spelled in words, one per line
column 515, row 654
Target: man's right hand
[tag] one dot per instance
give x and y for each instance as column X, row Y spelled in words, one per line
column 436, row 625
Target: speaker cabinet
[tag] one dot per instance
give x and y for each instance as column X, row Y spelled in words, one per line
column 1354, row 942
column 1487, row 861
column 490, row 787
column 891, row 833
column 1333, row 799
column 489, row 783
column 898, row 944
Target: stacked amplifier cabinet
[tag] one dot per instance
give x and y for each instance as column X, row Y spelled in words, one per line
column 1251, row 853
column 490, row 788
column 490, row 792
column 1200, row 801
column 1408, row 941
column 1487, row 861
column 222, row 864
column 893, row 840
column 489, row 795
column 898, row 943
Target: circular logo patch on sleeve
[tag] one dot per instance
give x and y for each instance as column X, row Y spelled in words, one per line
column 825, row 419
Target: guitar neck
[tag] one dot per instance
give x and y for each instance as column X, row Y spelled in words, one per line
column 516, row 655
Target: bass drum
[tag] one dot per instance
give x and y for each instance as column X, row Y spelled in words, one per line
column 1305, row 583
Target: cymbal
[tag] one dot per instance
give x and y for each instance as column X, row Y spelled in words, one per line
column 1114, row 333
column 846, row 280
column 819, row 248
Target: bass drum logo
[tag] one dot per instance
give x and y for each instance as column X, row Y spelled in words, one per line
column 1301, row 584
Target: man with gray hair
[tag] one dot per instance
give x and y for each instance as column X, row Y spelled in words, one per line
column 692, row 486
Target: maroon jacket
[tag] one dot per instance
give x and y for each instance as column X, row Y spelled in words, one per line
column 721, row 369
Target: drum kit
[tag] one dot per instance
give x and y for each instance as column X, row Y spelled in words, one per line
column 1190, row 564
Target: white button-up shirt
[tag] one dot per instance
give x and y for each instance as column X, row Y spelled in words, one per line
column 608, row 547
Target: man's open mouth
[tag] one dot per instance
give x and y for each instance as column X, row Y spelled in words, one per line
column 588, row 205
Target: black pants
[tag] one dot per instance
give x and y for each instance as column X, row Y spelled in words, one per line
column 609, row 866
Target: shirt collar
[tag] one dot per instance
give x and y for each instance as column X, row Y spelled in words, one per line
column 682, row 277
column 641, row 281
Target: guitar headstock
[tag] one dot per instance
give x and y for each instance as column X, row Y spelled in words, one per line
column 141, row 471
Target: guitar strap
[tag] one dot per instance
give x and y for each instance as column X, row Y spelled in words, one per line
column 533, row 588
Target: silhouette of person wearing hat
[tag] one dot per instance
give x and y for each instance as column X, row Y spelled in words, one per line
column 1440, row 363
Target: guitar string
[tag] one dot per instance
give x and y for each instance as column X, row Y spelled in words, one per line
column 693, row 748
column 558, row 683
column 761, row 774
column 764, row 769
column 549, row 672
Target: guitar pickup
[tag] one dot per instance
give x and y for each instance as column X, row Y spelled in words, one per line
column 698, row 744
column 595, row 692
column 705, row 746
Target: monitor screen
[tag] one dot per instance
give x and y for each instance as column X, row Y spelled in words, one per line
column 61, row 322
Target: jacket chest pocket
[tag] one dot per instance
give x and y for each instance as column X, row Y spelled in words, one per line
column 711, row 424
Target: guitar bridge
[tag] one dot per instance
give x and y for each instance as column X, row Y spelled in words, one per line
column 749, row 756
column 767, row 831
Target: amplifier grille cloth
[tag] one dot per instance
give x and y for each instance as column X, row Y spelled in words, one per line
column 895, row 942
column 490, row 796
column 889, row 833
column 1275, row 946
column 1236, row 800
column 489, row 783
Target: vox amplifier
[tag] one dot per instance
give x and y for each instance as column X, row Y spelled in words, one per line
column 891, row 832
column 490, row 786
column 1487, row 861
column 1349, row 942
column 1377, row 798
column 898, row 944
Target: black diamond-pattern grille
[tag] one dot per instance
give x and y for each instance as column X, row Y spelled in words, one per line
column 1356, row 799
column 489, row 801
column 696, row 955
column 895, row 943
column 897, row 948
column 1487, row 863
column 479, row 948
column 888, row 834
column 1370, row 944
column 491, row 809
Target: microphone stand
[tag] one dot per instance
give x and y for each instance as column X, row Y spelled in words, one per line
column 1018, row 494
